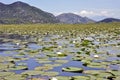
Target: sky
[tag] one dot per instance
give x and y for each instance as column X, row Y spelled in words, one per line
column 94, row 9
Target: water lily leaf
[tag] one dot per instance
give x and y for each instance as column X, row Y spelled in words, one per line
column 19, row 68
column 50, row 73
column 80, row 78
column 43, row 68
column 44, row 61
column 61, row 61
column 52, row 65
column 32, row 72
column 115, row 72
column 4, row 74
column 105, row 75
column 73, row 69
column 22, row 64
column 96, row 65
column 117, row 78
column 93, row 72
column 5, row 66
column 62, row 78
column 15, row 77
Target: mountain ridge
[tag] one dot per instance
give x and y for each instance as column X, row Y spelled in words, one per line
column 19, row 12
column 71, row 18
column 22, row 13
column 108, row 20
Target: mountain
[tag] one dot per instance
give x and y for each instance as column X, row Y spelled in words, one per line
column 20, row 12
column 71, row 18
column 107, row 20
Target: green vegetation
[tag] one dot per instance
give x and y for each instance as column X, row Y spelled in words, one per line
column 51, row 50
column 32, row 29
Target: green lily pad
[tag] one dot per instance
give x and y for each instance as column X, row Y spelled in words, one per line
column 50, row 73
column 32, row 72
column 62, row 78
column 117, row 78
column 105, row 75
column 52, row 55
column 52, row 65
column 4, row 74
column 61, row 61
column 5, row 66
column 93, row 72
column 96, row 65
column 15, row 77
column 73, row 69
column 19, row 68
column 101, row 79
column 44, row 68
column 44, row 61
column 80, row 78
column 22, row 64
column 115, row 72
column 2, row 59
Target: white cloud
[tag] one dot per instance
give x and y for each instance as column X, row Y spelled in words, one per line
column 104, row 13
column 94, row 13
column 86, row 13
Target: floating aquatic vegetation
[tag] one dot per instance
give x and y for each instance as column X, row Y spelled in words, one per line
column 15, row 77
column 4, row 74
column 52, row 47
column 52, row 65
column 43, row 68
column 32, row 72
column 61, row 78
column 93, row 72
column 19, row 68
column 50, row 73
column 73, row 69
column 61, row 61
column 80, row 78
column 44, row 61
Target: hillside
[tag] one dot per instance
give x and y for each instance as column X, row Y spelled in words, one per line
column 107, row 20
column 71, row 18
column 20, row 12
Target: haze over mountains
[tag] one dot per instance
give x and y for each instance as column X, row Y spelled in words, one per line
column 19, row 12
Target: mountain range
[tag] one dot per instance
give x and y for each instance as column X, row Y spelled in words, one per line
column 71, row 18
column 21, row 13
column 108, row 20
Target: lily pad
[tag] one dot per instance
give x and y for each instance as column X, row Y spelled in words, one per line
column 4, row 74
column 50, row 73
column 73, row 69
column 52, row 65
column 115, row 72
column 43, row 68
column 32, row 72
column 5, row 66
column 61, row 61
column 105, row 75
column 93, row 72
column 80, row 78
column 19, row 68
column 62, row 78
column 15, row 77
column 22, row 64
column 44, row 61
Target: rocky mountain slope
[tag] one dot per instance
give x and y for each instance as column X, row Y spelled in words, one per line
column 20, row 12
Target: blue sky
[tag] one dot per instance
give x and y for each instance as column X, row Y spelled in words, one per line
column 95, row 9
